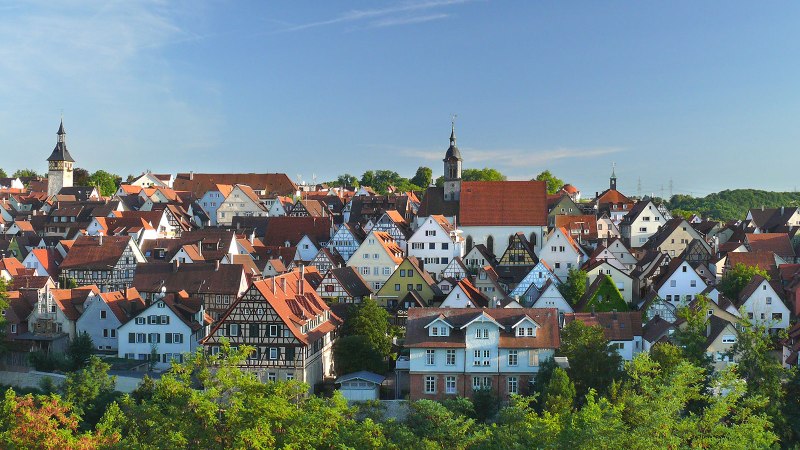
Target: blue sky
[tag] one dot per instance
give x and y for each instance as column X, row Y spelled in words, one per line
column 701, row 93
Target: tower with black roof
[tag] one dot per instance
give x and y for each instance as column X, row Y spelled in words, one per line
column 59, row 174
column 452, row 168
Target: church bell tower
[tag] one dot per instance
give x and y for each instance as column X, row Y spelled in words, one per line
column 59, row 170
column 452, row 168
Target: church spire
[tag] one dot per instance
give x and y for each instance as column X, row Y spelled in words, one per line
column 613, row 179
column 453, row 131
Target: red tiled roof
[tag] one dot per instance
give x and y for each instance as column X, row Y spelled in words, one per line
column 762, row 259
column 200, row 183
column 617, row 326
column 88, row 253
column 777, row 243
column 503, row 203
column 292, row 229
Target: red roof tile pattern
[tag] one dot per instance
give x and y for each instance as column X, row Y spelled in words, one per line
column 503, row 203
column 200, row 183
column 617, row 326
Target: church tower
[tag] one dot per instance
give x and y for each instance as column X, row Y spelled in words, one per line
column 59, row 163
column 452, row 168
column 612, row 184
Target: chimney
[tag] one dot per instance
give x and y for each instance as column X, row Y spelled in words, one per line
column 762, row 207
column 302, row 279
column 176, row 264
column 101, row 238
column 273, row 283
column 782, row 210
column 283, row 284
column 191, row 175
column 216, row 265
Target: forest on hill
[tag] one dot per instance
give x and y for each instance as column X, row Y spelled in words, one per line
column 731, row 204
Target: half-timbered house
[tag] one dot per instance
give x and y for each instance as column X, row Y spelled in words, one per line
column 288, row 324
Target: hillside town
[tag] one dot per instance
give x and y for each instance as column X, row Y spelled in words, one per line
column 478, row 280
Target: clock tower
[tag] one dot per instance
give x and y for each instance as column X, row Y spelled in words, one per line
column 59, row 170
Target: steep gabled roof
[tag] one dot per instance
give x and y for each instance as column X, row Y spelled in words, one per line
column 351, row 281
column 777, row 243
column 88, row 253
column 200, row 183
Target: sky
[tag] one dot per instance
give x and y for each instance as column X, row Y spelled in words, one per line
column 702, row 96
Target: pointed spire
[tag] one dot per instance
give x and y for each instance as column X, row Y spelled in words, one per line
column 613, row 170
column 453, row 130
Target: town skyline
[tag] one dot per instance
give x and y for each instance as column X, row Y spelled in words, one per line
column 565, row 88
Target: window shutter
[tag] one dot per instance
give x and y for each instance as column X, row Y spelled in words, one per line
column 168, row 338
column 131, row 338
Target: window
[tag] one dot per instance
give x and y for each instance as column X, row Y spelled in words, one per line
column 164, row 320
column 409, row 287
column 693, row 283
column 481, row 333
column 450, row 385
column 289, row 376
column 366, row 255
column 430, row 232
column 673, row 283
column 430, row 385
column 418, row 246
column 533, row 358
column 512, row 357
column 397, row 287
column 513, row 385
column 273, row 353
column 643, row 229
column 728, row 339
column 273, row 330
column 233, row 329
column 445, row 246
column 272, row 376
column 777, row 316
column 141, row 338
column 103, row 314
column 450, row 359
column 769, row 300
column 481, row 358
column 387, row 271
column 153, row 338
column 430, row 357
column 558, row 265
column 419, row 287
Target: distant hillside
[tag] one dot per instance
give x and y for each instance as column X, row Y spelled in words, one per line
column 731, row 204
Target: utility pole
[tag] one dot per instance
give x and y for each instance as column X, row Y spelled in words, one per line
column 639, row 187
column 670, row 187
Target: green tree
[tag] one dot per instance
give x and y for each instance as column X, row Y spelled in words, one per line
column 79, row 350
column 346, row 180
column 368, row 319
column 3, row 173
column 485, row 174
column 486, row 404
column 434, row 423
column 90, row 391
column 354, row 353
column 106, row 183
column 667, row 356
column 81, row 177
column 575, row 286
column 763, row 372
column 736, row 278
column 553, row 183
column 423, row 177
column 25, row 173
column 791, row 409
column 691, row 337
column 560, row 393
column 592, row 363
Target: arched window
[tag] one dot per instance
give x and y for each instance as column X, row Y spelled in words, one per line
column 469, row 244
column 490, row 244
column 532, row 240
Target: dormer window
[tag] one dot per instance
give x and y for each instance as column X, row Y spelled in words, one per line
column 526, row 332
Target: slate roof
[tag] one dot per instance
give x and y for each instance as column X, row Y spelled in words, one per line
column 433, row 202
column 503, row 203
column 292, row 229
column 547, row 334
column 351, row 281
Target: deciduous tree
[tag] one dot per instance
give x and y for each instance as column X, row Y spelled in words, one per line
column 575, row 286
column 592, row 363
column 554, row 184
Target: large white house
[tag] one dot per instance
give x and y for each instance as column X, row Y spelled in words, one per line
column 680, row 284
column 171, row 327
column 436, row 242
column 562, row 253
column 376, row 258
column 241, row 202
column 763, row 305
column 457, row 351
column 641, row 222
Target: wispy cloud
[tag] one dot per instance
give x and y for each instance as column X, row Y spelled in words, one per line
column 512, row 158
column 402, row 14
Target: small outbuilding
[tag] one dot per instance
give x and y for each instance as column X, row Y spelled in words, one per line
column 360, row 386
